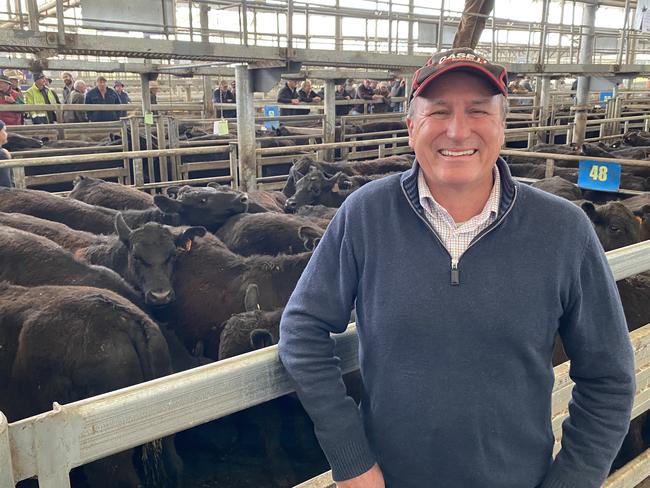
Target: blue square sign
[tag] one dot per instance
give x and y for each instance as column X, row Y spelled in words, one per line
column 598, row 175
column 271, row 111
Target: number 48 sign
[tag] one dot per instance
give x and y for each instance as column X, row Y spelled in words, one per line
column 598, row 175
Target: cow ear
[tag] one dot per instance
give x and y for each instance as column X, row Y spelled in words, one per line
column 589, row 209
column 260, row 338
column 186, row 239
column 645, row 210
column 123, row 230
column 309, row 236
column 166, row 204
column 172, row 191
column 45, row 140
column 252, row 298
column 214, row 185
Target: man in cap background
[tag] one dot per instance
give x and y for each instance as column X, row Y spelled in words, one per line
column 460, row 277
column 40, row 94
column 102, row 95
column 9, row 96
column 123, row 95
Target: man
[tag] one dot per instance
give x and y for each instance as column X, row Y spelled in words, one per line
column 382, row 94
column 224, row 95
column 102, row 95
column 9, row 96
column 307, row 95
column 153, row 91
column 77, row 96
column 288, row 94
column 342, row 94
column 460, row 277
column 6, row 174
column 365, row 92
column 124, row 97
column 40, row 94
column 398, row 90
column 68, row 86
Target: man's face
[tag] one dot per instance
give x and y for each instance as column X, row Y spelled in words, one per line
column 119, row 88
column 292, row 84
column 306, row 87
column 5, row 87
column 3, row 136
column 41, row 83
column 67, row 79
column 81, row 88
column 457, row 131
column 14, row 82
column 224, row 87
column 101, row 84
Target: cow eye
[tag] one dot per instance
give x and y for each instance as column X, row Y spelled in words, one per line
column 614, row 228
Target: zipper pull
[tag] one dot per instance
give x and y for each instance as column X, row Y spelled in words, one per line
column 455, row 274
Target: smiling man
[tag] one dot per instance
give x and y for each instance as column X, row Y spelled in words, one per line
column 461, row 277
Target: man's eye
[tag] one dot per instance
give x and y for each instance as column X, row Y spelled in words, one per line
column 439, row 113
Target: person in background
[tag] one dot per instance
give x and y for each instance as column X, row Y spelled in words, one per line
column 382, row 95
column 76, row 97
column 351, row 88
column 223, row 95
column 289, row 94
column 49, row 86
column 153, row 91
column 16, row 76
column 342, row 94
column 68, row 86
column 102, row 95
column 398, row 89
column 125, row 99
column 233, row 89
column 6, row 174
column 307, row 95
column 40, row 94
column 365, row 92
column 9, row 96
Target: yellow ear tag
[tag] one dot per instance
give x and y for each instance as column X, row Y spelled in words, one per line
column 187, row 245
column 335, row 188
column 638, row 219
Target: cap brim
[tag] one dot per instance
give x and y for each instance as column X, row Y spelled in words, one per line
column 499, row 85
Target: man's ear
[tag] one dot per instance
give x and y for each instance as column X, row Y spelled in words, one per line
column 409, row 126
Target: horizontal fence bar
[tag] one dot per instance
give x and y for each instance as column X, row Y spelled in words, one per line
column 97, row 427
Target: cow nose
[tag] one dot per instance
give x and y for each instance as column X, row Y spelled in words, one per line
column 159, row 297
column 290, row 205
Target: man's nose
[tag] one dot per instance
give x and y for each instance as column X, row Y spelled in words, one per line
column 458, row 127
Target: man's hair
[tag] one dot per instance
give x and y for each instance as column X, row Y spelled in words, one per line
column 101, row 78
column 78, row 83
column 412, row 109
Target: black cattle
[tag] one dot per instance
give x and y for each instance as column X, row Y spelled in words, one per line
column 30, row 260
column 110, row 195
column 560, row 187
column 67, row 343
column 64, row 236
column 616, row 226
column 269, row 233
column 637, row 138
column 258, row 200
column 316, row 188
column 391, row 164
column 144, row 257
column 17, row 142
column 210, row 285
column 316, row 211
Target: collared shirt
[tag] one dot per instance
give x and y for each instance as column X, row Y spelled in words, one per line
column 456, row 237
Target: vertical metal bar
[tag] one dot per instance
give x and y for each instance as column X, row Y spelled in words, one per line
column 165, row 20
column 306, row 27
column 138, row 176
column 290, row 26
column 390, row 26
column 19, row 11
column 60, row 35
column 6, row 467
column 203, row 22
column 530, row 42
column 493, row 54
column 191, row 20
column 162, row 160
column 244, row 21
column 246, row 129
column 125, row 147
column 550, row 167
column 32, row 11
column 619, row 58
column 441, row 22
column 541, row 59
column 330, row 116
column 173, row 143
column 146, row 107
column 586, row 54
column 409, row 45
column 208, row 106
column 234, row 170
column 19, row 179
column 559, row 34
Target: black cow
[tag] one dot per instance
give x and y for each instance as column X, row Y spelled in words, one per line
column 17, row 142
column 616, row 226
column 144, row 257
column 67, row 343
column 269, row 233
column 110, row 195
column 560, row 187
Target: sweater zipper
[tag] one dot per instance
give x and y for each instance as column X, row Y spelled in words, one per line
column 455, row 272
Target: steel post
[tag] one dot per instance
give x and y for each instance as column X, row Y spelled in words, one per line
column 32, row 11
column 246, row 129
column 441, row 24
column 59, row 23
column 330, row 115
column 6, row 468
column 544, row 87
column 585, row 57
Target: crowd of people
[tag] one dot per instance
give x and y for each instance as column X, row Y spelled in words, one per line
column 379, row 93
column 73, row 92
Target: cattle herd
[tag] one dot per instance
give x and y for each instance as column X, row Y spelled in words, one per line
column 111, row 286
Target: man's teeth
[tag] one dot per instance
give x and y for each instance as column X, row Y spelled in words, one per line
column 446, row 152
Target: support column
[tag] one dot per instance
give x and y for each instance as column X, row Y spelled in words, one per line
column 208, row 106
column 338, row 29
column 585, row 57
column 544, row 88
column 32, row 11
column 290, row 26
column 146, row 107
column 203, row 22
column 59, row 23
column 542, row 46
column 409, row 42
column 441, row 24
column 619, row 58
column 330, row 116
column 246, row 129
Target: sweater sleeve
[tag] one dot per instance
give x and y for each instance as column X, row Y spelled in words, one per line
column 285, row 95
column 321, row 304
column 596, row 339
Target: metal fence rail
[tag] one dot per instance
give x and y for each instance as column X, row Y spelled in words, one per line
column 50, row 444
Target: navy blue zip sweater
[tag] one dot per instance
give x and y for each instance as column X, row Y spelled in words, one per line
column 457, row 367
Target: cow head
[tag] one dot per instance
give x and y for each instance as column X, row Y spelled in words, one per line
column 16, row 142
column 616, row 226
column 310, row 189
column 204, row 206
column 643, row 215
column 152, row 252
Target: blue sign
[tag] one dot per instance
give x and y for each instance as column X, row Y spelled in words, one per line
column 271, row 111
column 598, row 175
column 605, row 95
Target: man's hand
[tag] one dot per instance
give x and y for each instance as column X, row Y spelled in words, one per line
column 373, row 478
column 9, row 99
column 295, row 101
